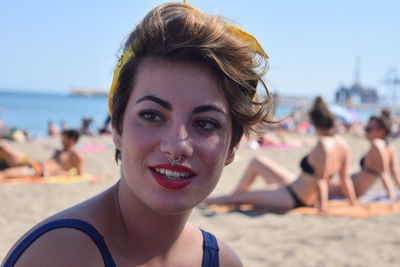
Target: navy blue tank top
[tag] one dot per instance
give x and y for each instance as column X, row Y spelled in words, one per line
column 210, row 244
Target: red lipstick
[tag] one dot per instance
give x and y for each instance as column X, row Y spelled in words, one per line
column 172, row 183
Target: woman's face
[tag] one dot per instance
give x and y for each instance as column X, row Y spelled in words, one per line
column 372, row 131
column 175, row 110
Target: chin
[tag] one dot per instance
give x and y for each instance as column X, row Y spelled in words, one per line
column 172, row 208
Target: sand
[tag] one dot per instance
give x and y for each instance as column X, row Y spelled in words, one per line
column 260, row 239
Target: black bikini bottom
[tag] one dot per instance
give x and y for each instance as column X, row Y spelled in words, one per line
column 296, row 199
column 371, row 171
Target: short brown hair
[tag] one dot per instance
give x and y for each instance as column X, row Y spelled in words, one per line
column 179, row 32
column 71, row 133
column 383, row 121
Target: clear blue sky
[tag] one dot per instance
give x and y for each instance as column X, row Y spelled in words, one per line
column 313, row 45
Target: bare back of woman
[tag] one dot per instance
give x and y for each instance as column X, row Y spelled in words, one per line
column 379, row 162
column 327, row 158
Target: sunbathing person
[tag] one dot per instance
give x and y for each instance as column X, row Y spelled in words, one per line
column 64, row 162
column 379, row 162
column 330, row 156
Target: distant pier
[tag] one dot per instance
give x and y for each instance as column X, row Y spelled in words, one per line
column 88, row 92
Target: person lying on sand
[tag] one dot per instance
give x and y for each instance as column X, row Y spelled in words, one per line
column 330, row 156
column 64, row 162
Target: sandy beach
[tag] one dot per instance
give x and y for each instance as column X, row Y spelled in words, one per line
column 260, row 239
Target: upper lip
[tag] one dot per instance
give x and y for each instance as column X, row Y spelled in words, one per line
column 176, row 168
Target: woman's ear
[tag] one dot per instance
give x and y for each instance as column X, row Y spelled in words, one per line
column 231, row 155
column 116, row 138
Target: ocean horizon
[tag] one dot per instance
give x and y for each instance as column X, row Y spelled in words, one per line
column 32, row 111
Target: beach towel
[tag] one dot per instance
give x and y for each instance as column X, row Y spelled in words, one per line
column 255, row 146
column 335, row 208
column 343, row 208
column 62, row 179
column 92, row 147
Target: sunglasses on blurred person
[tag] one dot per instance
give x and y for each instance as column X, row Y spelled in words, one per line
column 369, row 129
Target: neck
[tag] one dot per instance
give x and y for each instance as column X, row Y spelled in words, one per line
column 378, row 138
column 322, row 132
column 146, row 233
column 68, row 148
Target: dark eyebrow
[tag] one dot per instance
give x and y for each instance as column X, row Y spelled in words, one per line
column 159, row 101
column 207, row 108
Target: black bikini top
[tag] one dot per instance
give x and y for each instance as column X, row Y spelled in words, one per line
column 362, row 162
column 362, row 165
column 305, row 166
column 57, row 156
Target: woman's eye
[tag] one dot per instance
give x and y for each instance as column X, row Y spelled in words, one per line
column 150, row 116
column 208, row 125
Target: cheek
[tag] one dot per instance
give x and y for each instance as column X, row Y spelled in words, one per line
column 212, row 154
column 212, row 157
column 215, row 144
column 136, row 140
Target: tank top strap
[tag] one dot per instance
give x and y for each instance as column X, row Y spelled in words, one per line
column 210, row 250
column 64, row 223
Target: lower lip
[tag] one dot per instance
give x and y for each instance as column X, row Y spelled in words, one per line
column 170, row 184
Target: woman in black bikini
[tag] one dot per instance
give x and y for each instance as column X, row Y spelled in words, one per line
column 330, row 156
column 379, row 162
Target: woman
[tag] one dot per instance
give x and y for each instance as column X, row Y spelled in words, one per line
column 180, row 101
column 68, row 161
column 330, row 156
column 379, row 162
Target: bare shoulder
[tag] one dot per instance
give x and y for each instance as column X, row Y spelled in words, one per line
column 76, row 155
column 341, row 141
column 60, row 247
column 378, row 146
column 379, row 143
column 227, row 256
column 328, row 144
column 321, row 146
column 65, row 246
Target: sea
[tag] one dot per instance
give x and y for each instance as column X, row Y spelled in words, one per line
column 32, row 111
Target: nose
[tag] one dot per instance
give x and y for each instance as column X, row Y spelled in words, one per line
column 177, row 143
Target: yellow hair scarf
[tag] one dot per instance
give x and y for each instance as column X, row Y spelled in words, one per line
column 128, row 53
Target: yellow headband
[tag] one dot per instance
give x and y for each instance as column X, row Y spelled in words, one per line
column 115, row 82
column 128, row 53
column 247, row 38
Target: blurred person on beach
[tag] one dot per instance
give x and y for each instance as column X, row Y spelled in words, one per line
column 330, row 156
column 86, row 126
column 13, row 134
column 279, row 134
column 181, row 99
column 275, row 139
column 52, row 129
column 63, row 126
column 3, row 130
column 64, row 162
column 380, row 162
column 107, row 127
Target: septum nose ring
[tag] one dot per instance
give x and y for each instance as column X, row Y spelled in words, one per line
column 174, row 161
